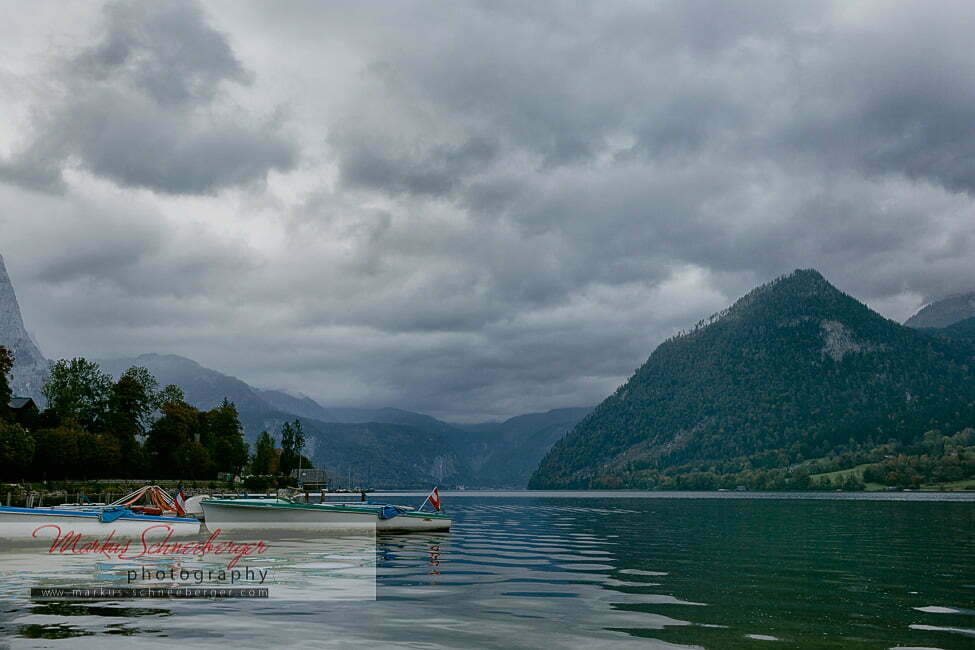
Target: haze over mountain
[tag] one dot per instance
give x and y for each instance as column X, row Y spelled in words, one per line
column 30, row 366
column 944, row 312
column 793, row 370
column 383, row 447
column 504, row 454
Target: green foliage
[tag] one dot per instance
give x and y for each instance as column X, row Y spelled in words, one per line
column 186, row 442
column 78, row 390
column 173, row 443
column 265, row 460
column 259, row 483
column 795, row 370
column 69, row 451
column 94, row 427
column 16, row 450
column 134, row 400
column 963, row 330
column 171, row 394
column 226, row 439
column 292, row 443
column 935, row 459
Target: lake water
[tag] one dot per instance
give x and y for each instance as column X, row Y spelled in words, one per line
column 584, row 570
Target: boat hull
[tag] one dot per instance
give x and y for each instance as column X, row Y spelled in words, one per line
column 274, row 514
column 23, row 524
column 253, row 514
column 414, row 522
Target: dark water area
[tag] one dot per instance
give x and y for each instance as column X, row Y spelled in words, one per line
column 571, row 570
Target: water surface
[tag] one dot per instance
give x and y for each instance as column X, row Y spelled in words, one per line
column 529, row 570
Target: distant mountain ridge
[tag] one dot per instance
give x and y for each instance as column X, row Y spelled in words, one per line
column 944, row 312
column 794, row 369
column 504, row 454
column 387, row 447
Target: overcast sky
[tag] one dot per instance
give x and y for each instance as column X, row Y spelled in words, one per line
column 471, row 209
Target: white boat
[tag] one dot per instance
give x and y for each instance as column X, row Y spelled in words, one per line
column 50, row 524
column 285, row 514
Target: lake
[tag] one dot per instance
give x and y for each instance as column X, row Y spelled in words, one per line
column 578, row 570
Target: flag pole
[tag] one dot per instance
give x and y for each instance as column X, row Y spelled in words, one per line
column 427, row 499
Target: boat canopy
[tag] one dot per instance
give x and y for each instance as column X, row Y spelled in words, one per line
column 158, row 499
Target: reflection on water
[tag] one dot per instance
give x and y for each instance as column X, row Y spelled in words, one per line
column 544, row 571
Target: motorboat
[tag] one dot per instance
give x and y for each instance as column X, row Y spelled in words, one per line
column 284, row 513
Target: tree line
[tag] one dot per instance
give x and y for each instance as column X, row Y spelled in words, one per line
column 96, row 427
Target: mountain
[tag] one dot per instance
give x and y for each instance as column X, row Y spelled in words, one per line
column 386, row 447
column 383, row 455
column 793, row 370
column 963, row 330
column 30, row 366
column 204, row 388
column 298, row 404
column 504, row 454
column 945, row 312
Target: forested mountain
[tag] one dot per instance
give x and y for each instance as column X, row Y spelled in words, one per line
column 792, row 371
column 504, row 454
column 944, row 312
column 963, row 330
column 382, row 455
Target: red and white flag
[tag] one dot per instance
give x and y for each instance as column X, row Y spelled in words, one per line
column 434, row 498
column 181, row 502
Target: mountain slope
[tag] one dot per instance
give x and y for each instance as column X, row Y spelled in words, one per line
column 504, row 454
column 963, row 330
column 793, row 370
column 204, row 388
column 382, row 455
column 299, row 405
column 945, row 312
column 385, row 447
column 30, row 367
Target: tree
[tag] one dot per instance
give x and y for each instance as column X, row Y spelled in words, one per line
column 292, row 442
column 265, row 455
column 170, row 437
column 6, row 365
column 171, row 394
column 132, row 403
column 226, row 445
column 136, row 394
column 66, row 451
column 78, row 390
column 16, row 450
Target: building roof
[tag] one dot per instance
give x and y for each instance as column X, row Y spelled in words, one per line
column 21, row 402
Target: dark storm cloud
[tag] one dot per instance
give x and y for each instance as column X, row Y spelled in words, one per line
column 168, row 51
column 143, row 107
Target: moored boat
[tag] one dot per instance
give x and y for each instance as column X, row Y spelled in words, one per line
column 123, row 519
column 283, row 513
column 19, row 524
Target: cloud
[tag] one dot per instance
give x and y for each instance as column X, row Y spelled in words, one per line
column 499, row 207
column 148, row 105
